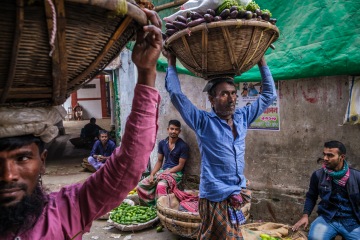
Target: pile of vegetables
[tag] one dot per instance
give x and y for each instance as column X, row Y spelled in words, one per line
column 126, row 214
column 264, row 236
column 132, row 192
column 229, row 9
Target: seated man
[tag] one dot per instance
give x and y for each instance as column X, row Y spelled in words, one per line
column 338, row 186
column 175, row 151
column 100, row 152
column 78, row 112
column 91, row 130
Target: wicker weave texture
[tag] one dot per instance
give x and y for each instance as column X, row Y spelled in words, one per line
column 185, row 224
column 87, row 39
column 224, row 48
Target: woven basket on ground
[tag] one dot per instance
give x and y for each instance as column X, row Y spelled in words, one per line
column 224, row 48
column 186, row 224
column 134, row 227
column 252, row 232
column 49, row 48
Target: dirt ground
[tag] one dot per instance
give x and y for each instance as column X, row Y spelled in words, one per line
column 63, row 168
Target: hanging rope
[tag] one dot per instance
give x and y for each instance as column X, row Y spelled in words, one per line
column 53, row 33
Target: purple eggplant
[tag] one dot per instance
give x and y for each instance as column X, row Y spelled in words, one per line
column 181, row 19
column 179, row 25
column 195, row 15
column 225, row 14
column 196, row 22
column 208, row 18
column 170, row 26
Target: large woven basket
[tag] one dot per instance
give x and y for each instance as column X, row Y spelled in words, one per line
column 224, row 48
column 185, row 224
column 49, row 48
column 252, row 227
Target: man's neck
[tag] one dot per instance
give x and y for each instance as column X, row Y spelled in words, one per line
column 173, row 140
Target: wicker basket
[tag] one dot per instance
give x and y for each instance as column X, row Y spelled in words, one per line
column 134, row 227
column 224, row 48
column 185, row 224
column 49, row 50
column 298, row 235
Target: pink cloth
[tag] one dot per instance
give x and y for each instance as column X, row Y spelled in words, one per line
column 71, row 210
column 187, row 200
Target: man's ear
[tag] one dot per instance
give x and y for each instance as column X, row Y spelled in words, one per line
column 211, row 100
column 43, row 157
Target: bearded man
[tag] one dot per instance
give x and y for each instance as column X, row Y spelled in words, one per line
column 26, row 211
column 338, row 186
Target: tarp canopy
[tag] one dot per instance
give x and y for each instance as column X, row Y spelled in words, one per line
column 317, row 38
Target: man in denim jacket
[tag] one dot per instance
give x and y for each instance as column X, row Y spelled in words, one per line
column 338, row 186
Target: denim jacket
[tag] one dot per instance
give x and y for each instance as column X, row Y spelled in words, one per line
column 320, row 186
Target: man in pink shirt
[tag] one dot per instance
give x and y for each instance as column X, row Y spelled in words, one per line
column 27, row 212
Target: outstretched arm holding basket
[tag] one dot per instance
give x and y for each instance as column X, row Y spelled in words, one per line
column 28, row 212
column 221, row 136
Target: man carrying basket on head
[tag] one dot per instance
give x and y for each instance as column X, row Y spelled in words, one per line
column 221, row 136
column 26, row 210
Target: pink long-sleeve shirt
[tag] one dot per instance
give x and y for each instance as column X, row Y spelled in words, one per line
column 70, row 212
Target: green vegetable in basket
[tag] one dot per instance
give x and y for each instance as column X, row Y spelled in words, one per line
column 227, row 4
column 265, row 236
column 252, row 6
column 266, row 11
column 127, row 215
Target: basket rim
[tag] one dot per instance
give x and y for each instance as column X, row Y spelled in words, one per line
column 224, row 23
column 133, row 227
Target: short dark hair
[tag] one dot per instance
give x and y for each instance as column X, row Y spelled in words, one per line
column 336, row 144
column 217, row 81
column 103, row 132
column 175, row 123
column 12, row 143
column 93, row 120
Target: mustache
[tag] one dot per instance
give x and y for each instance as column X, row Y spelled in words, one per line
column 4, row 186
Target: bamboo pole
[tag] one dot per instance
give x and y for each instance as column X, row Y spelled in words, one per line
column 169, row 5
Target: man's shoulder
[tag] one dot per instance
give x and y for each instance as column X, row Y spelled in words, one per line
column 111, row 142
column 355, row 171
column 318, row 173
column 182, row 141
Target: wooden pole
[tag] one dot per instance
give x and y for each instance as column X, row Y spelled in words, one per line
column 169, row 5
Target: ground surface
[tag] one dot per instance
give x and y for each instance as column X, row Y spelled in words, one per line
column 63, row 168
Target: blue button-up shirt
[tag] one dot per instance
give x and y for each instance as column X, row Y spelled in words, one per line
column 99, row 149
column 222, row 156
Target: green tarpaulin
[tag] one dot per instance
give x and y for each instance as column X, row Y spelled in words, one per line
column 317, row 38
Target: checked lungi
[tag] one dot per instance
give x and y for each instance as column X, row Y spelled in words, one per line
column 149, row 192
column 222, row 220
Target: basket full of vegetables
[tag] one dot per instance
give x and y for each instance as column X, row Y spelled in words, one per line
column 224, row 41
column 133, row 218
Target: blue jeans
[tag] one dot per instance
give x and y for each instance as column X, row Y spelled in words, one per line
column 321, row 230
